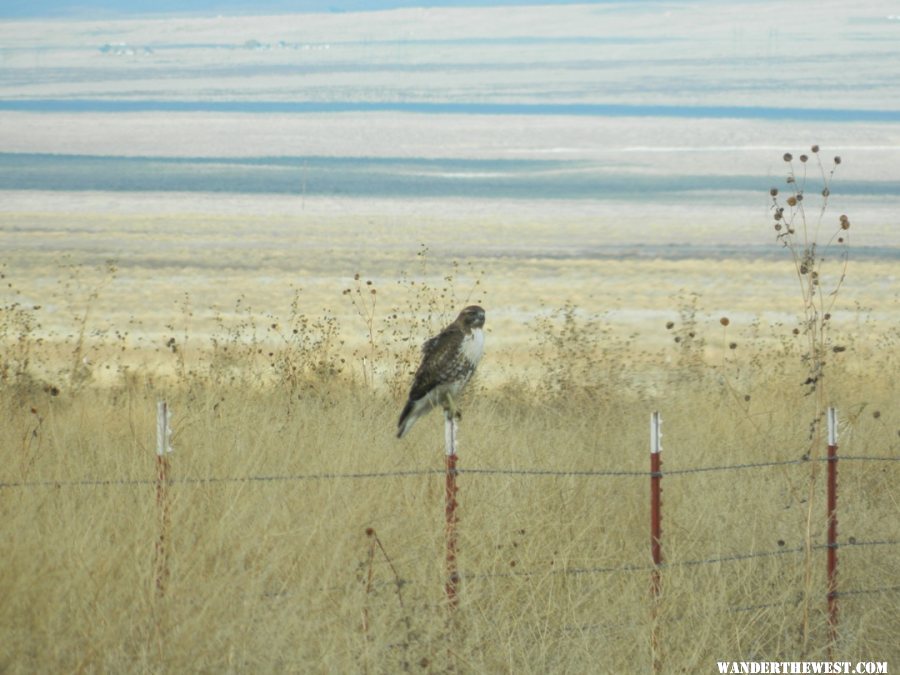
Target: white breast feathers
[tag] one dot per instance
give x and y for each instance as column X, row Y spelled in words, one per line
column 473, row 346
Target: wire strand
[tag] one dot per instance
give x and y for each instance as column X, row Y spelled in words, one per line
column 486, row 471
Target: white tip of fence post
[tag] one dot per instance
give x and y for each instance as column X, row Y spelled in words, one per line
column 450, row 429
column 163, row 429
column 655, row 433
column 832, row 427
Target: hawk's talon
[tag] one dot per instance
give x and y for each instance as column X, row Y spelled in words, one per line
column 450, row 408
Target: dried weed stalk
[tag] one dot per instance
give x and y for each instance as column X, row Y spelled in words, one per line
column 800, row 227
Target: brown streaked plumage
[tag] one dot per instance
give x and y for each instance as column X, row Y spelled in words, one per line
column 448, row 361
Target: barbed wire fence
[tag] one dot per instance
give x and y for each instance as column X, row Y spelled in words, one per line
column 402, row 473
column 164, row 481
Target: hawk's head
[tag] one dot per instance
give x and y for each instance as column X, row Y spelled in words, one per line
column 471, row 317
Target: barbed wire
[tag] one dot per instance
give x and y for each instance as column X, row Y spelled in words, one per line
column 199, row 480
column 764, row 605
column 474, row 576
column 393, row 583
column 74, row 483
column 553, row 472
column 732, row 467
column 865, row 591
column 853, row 542
column 862, row 458
column 786, row 462
column 668, row 565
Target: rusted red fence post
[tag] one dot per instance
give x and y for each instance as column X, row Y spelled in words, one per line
column 163, row 448
column 450, row 504
column 832, row 524
column 655, row 535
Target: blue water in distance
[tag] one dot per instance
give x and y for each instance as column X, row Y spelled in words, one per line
column 391, row 177
column 577, row 109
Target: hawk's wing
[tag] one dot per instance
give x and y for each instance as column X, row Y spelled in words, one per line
column 438, row 356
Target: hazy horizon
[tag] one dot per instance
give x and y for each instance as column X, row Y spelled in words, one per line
column 123, row 8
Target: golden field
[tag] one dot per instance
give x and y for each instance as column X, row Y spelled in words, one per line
column 285, row 380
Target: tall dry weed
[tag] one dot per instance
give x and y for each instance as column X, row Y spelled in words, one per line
column 819, row 253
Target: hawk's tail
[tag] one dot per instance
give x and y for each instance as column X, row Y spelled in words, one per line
column 412, row 411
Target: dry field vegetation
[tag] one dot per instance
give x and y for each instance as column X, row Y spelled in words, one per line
column 275, row 418
column 303, row 536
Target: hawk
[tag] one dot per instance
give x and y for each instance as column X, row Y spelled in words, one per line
column 448, row 361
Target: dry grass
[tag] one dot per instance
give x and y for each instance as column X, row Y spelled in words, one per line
column 280, row 575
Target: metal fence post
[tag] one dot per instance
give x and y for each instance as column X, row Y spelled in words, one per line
column 450, row 504
column 655, row 534
column 832, row 524
column 163, row 448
